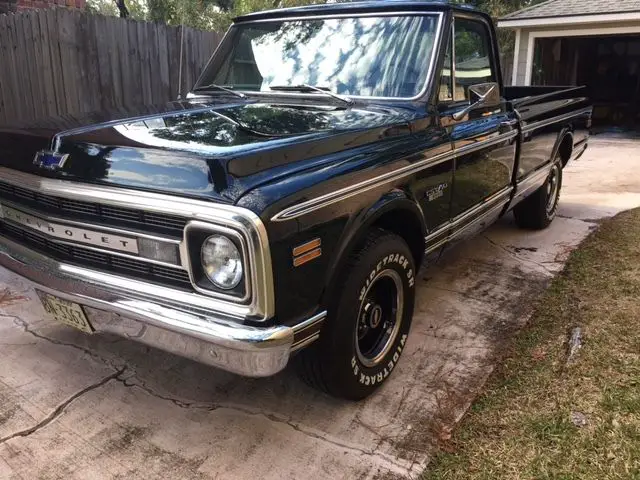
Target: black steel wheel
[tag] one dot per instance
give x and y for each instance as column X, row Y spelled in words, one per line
column 538, row 210
column 380, row 317
column 552, row 186
column 368, row 322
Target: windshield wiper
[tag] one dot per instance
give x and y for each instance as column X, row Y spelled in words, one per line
column 311, row 88
column 220, row 87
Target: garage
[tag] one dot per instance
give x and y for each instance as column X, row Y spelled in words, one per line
column 583, row 42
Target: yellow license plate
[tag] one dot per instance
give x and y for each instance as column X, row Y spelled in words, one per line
column 65, row 312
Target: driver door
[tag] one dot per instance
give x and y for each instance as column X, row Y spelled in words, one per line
column 483, row 130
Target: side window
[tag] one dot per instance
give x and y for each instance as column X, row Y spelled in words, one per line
column 472, row 57
column 446, row 80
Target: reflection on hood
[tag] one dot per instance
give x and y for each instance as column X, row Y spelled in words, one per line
column 202, row 148
column 246, row 124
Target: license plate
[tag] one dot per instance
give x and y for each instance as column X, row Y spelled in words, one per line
column 66, row 312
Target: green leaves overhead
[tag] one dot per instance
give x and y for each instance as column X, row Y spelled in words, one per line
column 498, row 8
column 202, row 14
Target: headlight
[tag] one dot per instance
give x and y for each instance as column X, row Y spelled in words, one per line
column 218, row 261
column 221, row 261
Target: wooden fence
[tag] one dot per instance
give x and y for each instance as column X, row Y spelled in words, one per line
column 60, row 61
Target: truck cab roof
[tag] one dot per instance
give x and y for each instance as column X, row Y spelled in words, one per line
column 370, row 6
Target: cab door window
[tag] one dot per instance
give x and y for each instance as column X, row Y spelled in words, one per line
column 472, row 59
column 446, row 79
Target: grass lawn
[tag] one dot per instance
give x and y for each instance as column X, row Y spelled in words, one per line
column 541, row 418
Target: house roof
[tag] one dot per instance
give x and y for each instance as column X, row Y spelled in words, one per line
column 566, row 8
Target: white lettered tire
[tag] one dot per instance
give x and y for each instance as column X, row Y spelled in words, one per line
column 368, row 322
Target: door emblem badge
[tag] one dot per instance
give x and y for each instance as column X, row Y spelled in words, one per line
column 50, row 160
column 436, row 192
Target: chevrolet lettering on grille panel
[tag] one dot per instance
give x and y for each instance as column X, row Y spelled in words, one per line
column 70, row 233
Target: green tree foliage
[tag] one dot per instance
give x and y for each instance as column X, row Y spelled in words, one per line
column 242, row 7
column 498, row 9
column 137, row 8
column 201, row 14
column 204, row 14
column 218, row 13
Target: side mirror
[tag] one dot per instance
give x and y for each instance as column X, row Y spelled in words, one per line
column 482, row 95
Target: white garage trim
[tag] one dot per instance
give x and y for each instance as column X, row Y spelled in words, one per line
column 582, row 32
column 577, row 19
column 516, row 58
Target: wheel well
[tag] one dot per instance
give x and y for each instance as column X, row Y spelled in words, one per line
column 566, row 148
column 404, row 224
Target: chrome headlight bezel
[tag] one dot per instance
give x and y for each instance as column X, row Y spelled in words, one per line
column 195, row 234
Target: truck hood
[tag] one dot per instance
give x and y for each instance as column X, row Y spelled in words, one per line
column 207, row 150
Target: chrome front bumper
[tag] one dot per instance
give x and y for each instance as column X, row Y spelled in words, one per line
column 207, row 337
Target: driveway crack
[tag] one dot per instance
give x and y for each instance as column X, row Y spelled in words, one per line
column 61, row 408
column 518, row 257
column 27, row 329
column 458, row 292
column 388, row 461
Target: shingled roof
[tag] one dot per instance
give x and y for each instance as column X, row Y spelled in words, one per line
column 562, row 8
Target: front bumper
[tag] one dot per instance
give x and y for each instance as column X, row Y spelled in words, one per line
column 210, row 338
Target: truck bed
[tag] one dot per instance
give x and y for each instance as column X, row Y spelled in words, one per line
column 543, row 104
column 525, row 95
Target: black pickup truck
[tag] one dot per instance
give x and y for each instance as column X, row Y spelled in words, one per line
column 286, row 204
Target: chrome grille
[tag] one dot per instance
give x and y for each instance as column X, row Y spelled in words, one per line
column 50, row 202
column 94, row 212
column 60, row 249
column 85, row 257
column 40, row 200
column 128, row 264
column 90, row 255
column 23, row 193
column 170, row 273
column 167, row 221
column 34, row 238
column 75, row 207
column 120, row 213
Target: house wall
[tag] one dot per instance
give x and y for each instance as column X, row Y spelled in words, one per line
column 527, row 40
column 522, row 56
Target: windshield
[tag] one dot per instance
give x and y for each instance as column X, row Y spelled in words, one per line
column 386, row 56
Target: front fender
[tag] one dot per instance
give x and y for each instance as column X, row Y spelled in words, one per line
column 396, row 211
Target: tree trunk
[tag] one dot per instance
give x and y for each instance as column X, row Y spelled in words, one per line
column 122, row 8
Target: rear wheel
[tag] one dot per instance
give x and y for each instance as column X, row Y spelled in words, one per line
column 368, row 322
column 539, row 209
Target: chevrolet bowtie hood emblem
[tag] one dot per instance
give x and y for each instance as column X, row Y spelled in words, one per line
column 50, row 160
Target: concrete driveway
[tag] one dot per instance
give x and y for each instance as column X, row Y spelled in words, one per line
column 76, row 406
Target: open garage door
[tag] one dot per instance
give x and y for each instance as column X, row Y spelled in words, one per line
column 608, row 65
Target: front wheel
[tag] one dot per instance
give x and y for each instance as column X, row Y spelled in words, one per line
column 539, row 209
column 368, row 322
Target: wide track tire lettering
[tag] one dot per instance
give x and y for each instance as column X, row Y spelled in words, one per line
column 332, row 363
